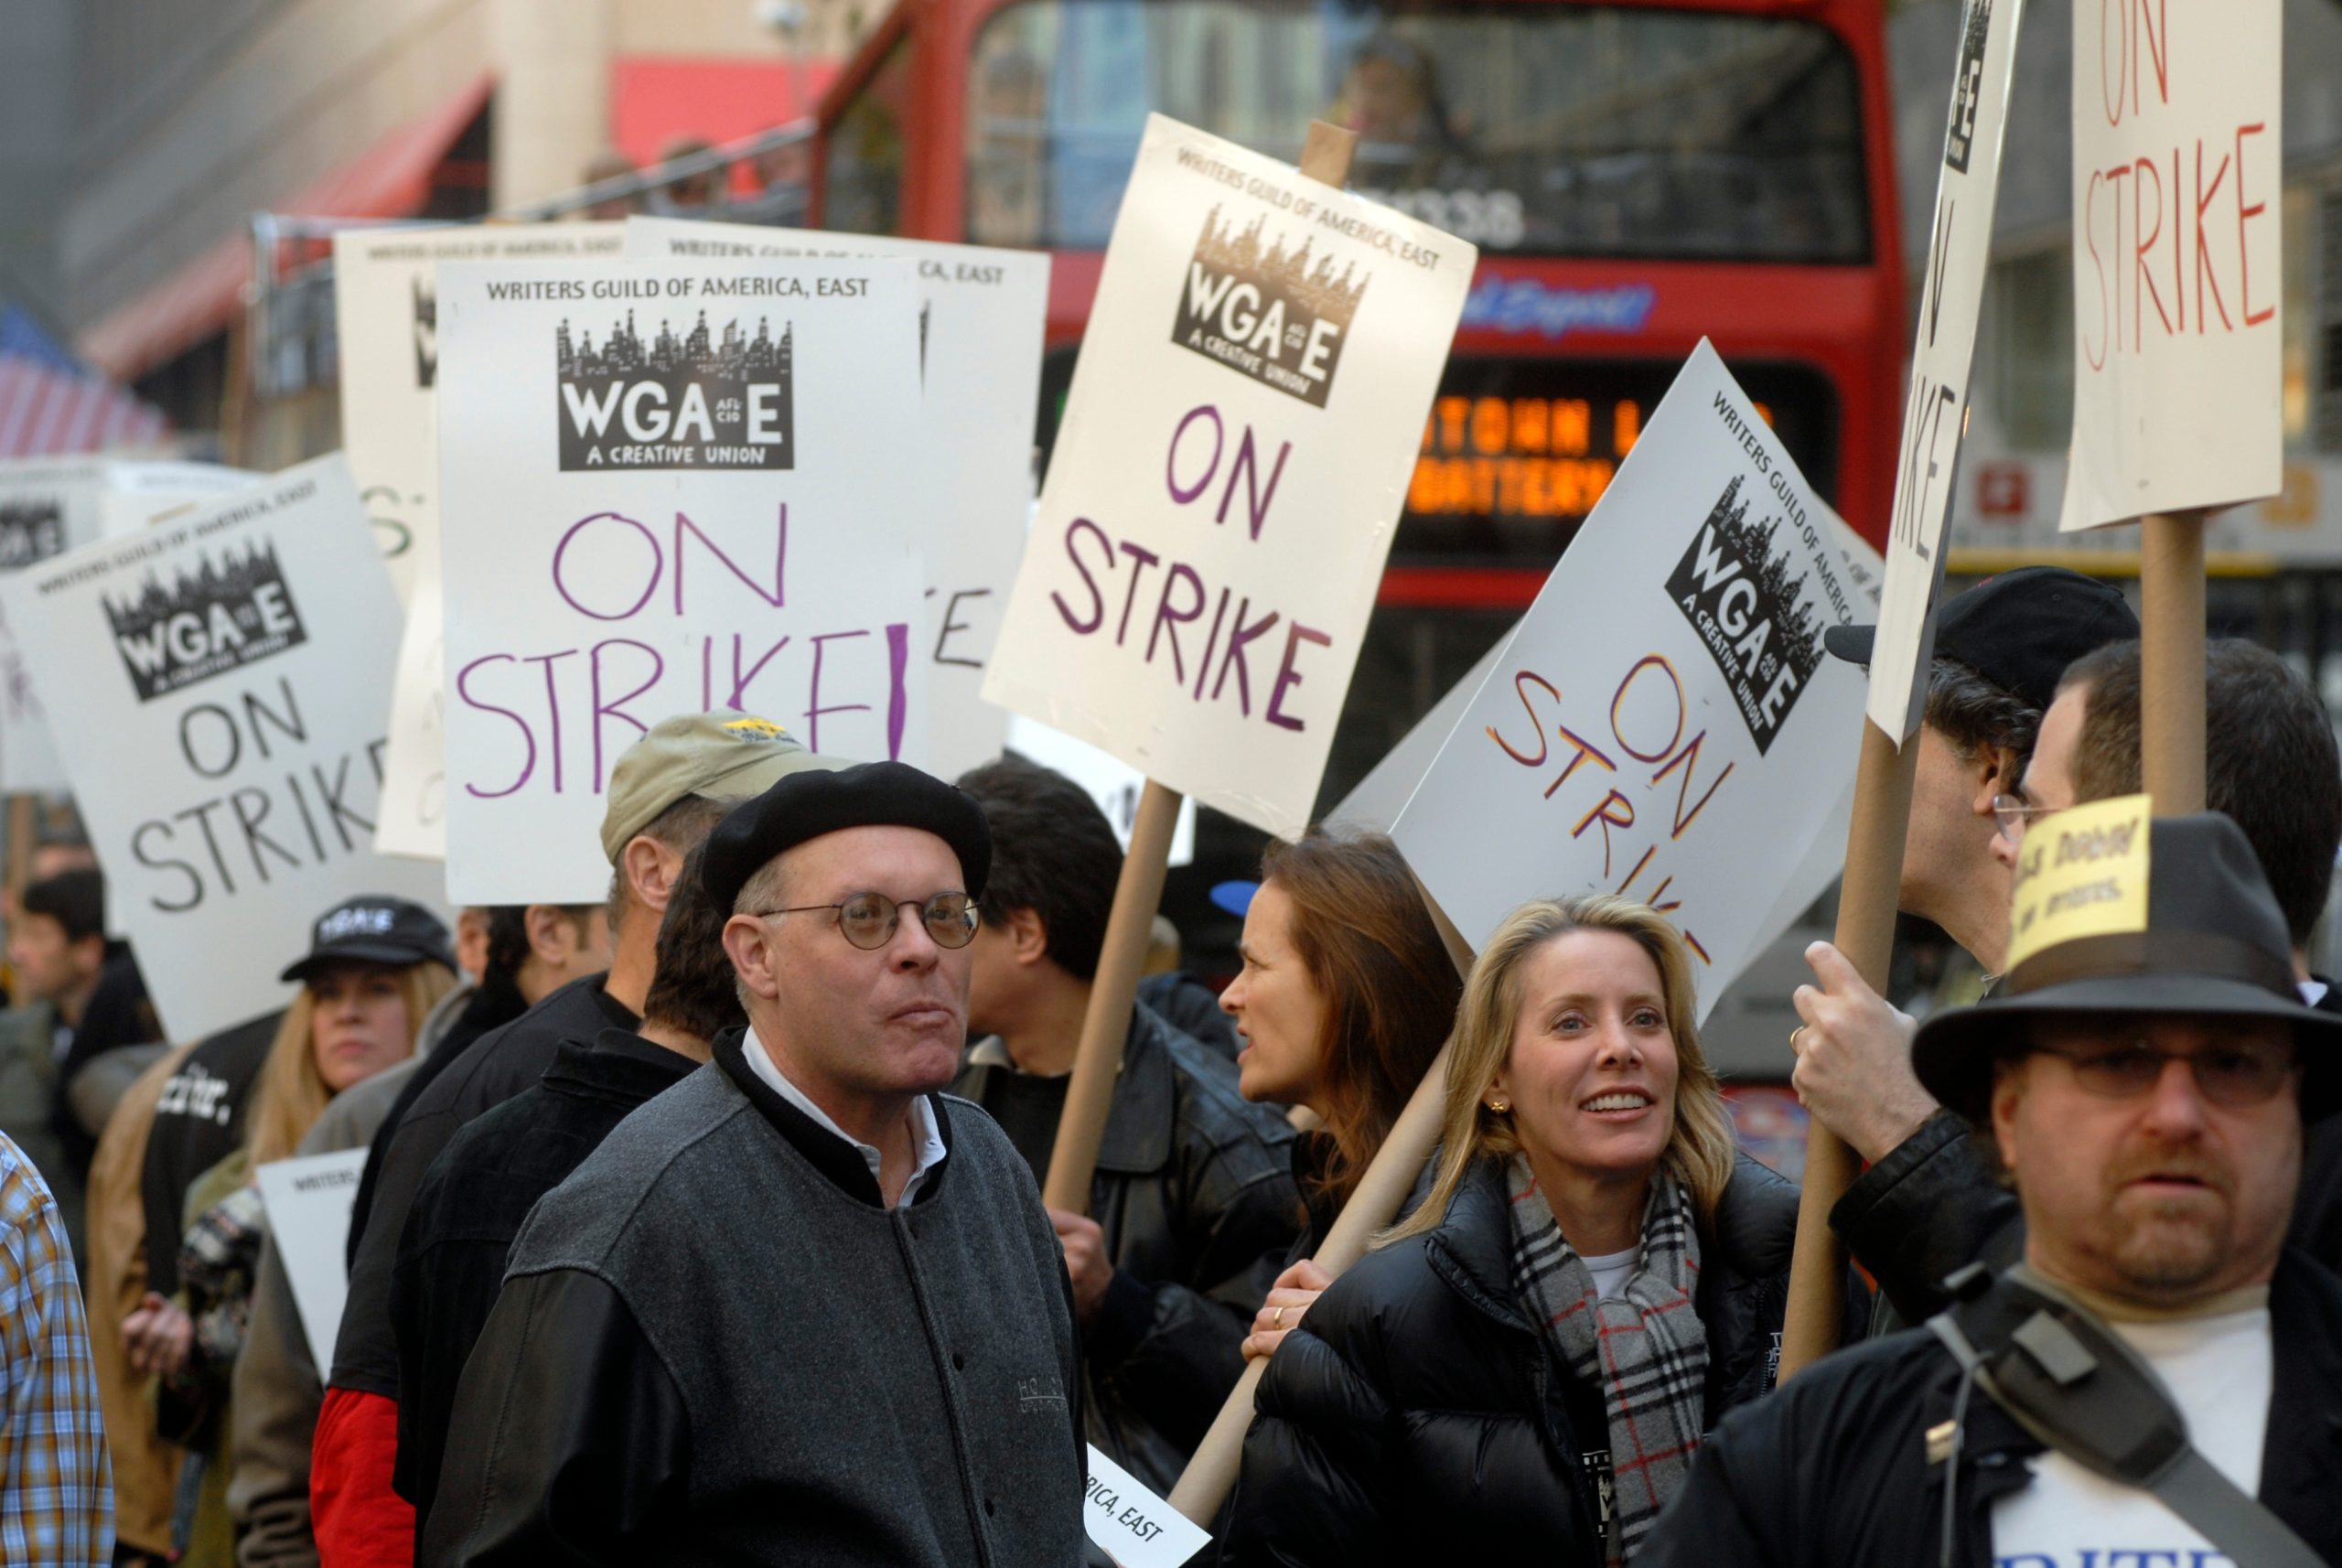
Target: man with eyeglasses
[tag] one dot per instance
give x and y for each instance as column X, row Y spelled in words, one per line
column 2270, row 765
column 801, row 1308
column 2000, row 649
column 2146, row 1088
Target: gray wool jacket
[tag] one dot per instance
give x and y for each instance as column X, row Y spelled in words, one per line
column 716, row 1344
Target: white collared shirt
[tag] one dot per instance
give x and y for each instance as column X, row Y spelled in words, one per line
column 927, row 1138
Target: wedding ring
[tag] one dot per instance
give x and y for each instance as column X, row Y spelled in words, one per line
column 1276, row 1319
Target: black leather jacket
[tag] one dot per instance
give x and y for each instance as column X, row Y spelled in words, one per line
column 1418, row 1416
column 1194, row 1192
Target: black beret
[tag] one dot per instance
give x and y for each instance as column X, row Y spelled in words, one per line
column 803, row 806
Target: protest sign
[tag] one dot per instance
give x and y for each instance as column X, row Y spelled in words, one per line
column 2177, row 186
column 308, row 1200
column 386, row 313
column 386, row 319
column 1228, row 473
column 2082, row 873
column 670, row 487
column 1131, row 1524
column 1664, row 724
column 413, row 819
column 982, row 312
column 214, row 686
column 49, row 505
column 1114, row 784
column 1935, row 415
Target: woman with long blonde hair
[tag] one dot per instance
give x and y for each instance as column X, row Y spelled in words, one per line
column 1596, row 1276
column 375, row 967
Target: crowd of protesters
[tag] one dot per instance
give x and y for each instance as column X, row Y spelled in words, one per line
column 706, row 1226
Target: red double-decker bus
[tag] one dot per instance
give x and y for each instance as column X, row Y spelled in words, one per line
column 1637, row 175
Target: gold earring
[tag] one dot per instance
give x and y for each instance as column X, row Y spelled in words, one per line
column 1500, row 1105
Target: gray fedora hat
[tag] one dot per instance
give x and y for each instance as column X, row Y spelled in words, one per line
column 2214, row 943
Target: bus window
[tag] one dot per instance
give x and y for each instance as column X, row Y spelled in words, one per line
column 1607, row 131
column 865, row 177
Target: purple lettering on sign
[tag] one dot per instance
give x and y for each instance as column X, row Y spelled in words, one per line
column 1146, row 558
column 552, row 705
column 1168, row 619
column 1171, row 459
column 777, row 598
column 1096, row 599
column 899, row 663
column 815, row 710
column 1295, row 634
column 561, row 554
column 528, row 737
column 616, row 709
column 1239, row 636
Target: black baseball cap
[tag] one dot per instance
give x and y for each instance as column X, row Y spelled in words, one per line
column 373, row 928
column 2019, row 630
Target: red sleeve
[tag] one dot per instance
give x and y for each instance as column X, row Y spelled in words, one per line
column 360, row 1521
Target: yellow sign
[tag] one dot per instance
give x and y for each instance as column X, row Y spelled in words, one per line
column 2081, row 872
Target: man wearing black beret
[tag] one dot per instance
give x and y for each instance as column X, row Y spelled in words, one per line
column 802, row 1307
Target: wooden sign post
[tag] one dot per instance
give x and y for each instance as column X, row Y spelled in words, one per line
column 1865, row 934
column 2171, row 661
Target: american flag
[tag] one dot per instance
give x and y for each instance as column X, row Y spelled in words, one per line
column 50, row 405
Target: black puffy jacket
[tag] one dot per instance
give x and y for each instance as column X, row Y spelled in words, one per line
column 1194, row 1193
column 1417, row 1415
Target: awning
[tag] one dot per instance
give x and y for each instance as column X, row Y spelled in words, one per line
column 46, row 411
column 657, row 100
column 391, row 179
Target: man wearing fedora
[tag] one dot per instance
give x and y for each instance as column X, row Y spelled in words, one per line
column 799, row 1308
column 2145, row 1089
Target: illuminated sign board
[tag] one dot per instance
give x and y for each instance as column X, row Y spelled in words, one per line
column 1515, row 452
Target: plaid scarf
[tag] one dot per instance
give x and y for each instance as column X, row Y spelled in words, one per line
column 1647, row 1353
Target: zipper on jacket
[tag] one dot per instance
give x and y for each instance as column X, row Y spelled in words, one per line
column 935, row 1355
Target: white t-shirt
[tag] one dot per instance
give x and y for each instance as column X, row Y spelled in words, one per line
column 2219, row 1369
column 1611, row 1271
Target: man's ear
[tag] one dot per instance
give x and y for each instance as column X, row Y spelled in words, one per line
column 748, row 943
column 2008, row 1088
column 1998, row 771
column 649, row 868
column 553, row 935
column 1027, row 934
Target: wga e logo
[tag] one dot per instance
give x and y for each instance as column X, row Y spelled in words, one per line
column 232, row 610
column 29, row 531
column 1749, row 609
column 693, row 401
column 427, row 334
column 1968, row 89
column 1267, row 312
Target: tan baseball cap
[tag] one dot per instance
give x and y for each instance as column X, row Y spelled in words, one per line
column 724, row 756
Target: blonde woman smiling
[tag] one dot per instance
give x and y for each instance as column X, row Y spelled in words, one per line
column 1596, row 1276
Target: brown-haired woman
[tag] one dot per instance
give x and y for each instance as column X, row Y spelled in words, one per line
column 1345, row 996
column 1596, row 1272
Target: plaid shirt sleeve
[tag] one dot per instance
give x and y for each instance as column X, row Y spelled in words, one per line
column 56, row 1480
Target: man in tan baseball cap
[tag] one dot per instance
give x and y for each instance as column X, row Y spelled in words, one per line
column 668, row 789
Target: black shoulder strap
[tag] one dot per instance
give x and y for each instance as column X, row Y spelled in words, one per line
column 2072, row 1382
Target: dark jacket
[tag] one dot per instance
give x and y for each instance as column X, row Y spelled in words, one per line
column 495, row 1002
column 717, row 1345
column 1195, row 1196
column 1417, row 1415
column 198, row 1122
column 460, row 1229
column 494, row 1067
column 1835, row 1470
